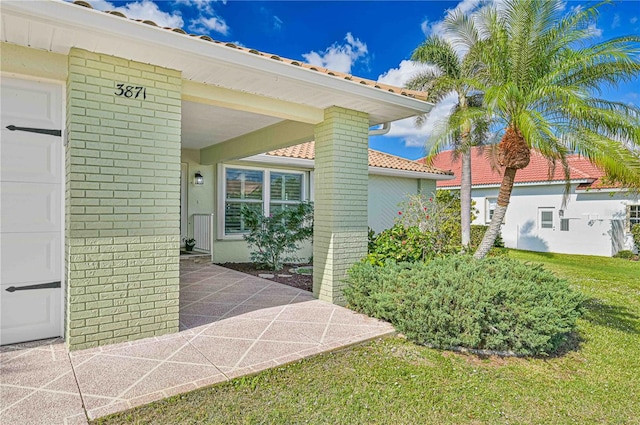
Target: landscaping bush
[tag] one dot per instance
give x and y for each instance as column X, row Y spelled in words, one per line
column 635, row 231
column 274, row 240
column 477, row 233
column 400, row 244
column 625, row 255
column 455, row 301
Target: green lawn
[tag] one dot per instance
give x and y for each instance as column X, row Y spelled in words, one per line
column 392, row 381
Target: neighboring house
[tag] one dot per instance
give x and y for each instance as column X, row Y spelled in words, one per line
column 98, row 114
column 595, row 219
column 286, row 176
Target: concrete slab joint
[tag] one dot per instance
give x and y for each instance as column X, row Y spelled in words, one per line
column 341, row 199
column 122, row 200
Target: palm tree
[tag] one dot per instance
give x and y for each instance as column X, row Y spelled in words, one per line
column 543, row 81
column 451, row 74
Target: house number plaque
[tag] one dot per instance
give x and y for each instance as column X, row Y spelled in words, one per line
column 132, row 92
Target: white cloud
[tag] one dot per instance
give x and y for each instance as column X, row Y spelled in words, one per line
column 403, row 73
column 215, row 23
column 407, row 129
column 594, row 30
column 145, row 9
column 277, row 23
column 419, row 136
column 616, row 21
column 436, row 27
column 633, row 20
column 339, row 57
column 204, row 6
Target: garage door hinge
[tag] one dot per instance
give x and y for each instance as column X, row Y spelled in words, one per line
column 39, row 286
column 50, row 132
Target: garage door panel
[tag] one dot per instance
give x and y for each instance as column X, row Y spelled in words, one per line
column 43, row 318
column 31, row 188
column 31, row 258
column 30, row 104
column 31, row 207
column 29, row 157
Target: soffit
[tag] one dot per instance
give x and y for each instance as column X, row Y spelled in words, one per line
column 58, row 26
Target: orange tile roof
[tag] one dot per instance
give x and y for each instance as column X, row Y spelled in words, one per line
column 386, row 87
column 376, row 159
column 538, row 170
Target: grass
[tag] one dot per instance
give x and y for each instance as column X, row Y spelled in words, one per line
column 392, row 381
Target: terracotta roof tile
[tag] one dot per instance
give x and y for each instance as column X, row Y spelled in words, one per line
column 376, row 159
column 538, row 170
column 398, row 90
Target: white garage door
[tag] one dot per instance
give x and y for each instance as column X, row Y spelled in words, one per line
column 31, row 205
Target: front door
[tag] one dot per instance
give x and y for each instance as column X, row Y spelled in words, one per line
column 31, row 205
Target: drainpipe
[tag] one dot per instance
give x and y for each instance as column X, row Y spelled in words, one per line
column 380, row 131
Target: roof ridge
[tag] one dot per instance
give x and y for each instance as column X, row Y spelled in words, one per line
column 420, row 95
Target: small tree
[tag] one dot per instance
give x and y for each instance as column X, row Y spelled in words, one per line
column 635, row 231
column 274, row 240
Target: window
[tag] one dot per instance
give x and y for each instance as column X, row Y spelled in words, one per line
column 491, row 207
column 546, row 219
column 633, row 213
column 261, row 190
column 242, row 188
column 564, row 224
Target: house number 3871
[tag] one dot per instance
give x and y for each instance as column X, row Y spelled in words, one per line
column 133, row 92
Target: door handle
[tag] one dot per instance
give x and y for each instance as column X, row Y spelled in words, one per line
column 39, row 286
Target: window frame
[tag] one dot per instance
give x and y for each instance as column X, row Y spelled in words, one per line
column 551, row 212
column 488, row 213
column 266, row 194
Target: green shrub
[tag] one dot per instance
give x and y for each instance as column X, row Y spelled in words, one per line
column 625, row 255
column 455, row 301
column 477, row 233
column 399, row 244
column 274, row 240
column 635, row 231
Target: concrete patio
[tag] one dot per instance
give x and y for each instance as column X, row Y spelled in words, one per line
column 232, row 324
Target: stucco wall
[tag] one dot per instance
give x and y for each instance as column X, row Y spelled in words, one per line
column 596, row 219
column 386, row 192
column 200, row 198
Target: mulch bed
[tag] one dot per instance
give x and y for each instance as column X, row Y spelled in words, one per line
column 300, row 281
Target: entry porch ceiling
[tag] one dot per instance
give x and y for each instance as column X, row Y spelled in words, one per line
column 57, row 26
column 205, row 125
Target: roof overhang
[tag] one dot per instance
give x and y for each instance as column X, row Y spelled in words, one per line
column 57, row 26
column 520, row 184
column 284, row 161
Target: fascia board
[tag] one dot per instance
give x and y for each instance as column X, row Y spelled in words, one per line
column 70, row 16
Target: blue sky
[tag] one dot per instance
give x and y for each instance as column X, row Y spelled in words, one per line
column 370, row 39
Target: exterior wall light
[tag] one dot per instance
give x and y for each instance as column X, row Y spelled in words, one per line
column 198, row 179
column 561, row 213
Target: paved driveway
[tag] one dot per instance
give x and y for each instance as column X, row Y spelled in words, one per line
column 232, row 324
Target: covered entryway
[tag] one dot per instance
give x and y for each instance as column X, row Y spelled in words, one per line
column 32, row 211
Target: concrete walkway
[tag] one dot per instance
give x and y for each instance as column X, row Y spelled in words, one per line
column 232, row 324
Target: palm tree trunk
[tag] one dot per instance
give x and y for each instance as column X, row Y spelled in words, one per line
column 465, row 199
column 506, row 187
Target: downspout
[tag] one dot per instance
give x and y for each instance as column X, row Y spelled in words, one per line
column 380, row 131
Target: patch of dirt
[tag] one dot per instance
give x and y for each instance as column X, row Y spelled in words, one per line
column 300, row 281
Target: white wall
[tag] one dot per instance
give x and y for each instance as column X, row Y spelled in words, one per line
column 596, row 220
column 385, row 193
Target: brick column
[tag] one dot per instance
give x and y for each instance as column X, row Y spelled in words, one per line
column 341, row 195
column 122, row 200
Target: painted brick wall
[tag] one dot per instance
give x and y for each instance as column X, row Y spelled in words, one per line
column 122, row 201
column 341, row 194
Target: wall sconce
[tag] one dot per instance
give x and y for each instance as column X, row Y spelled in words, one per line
column 561, row 213
column 198, row 179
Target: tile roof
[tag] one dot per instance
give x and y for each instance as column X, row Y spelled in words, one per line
column 386, row 87
column 538, row 170
column 376, row 159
